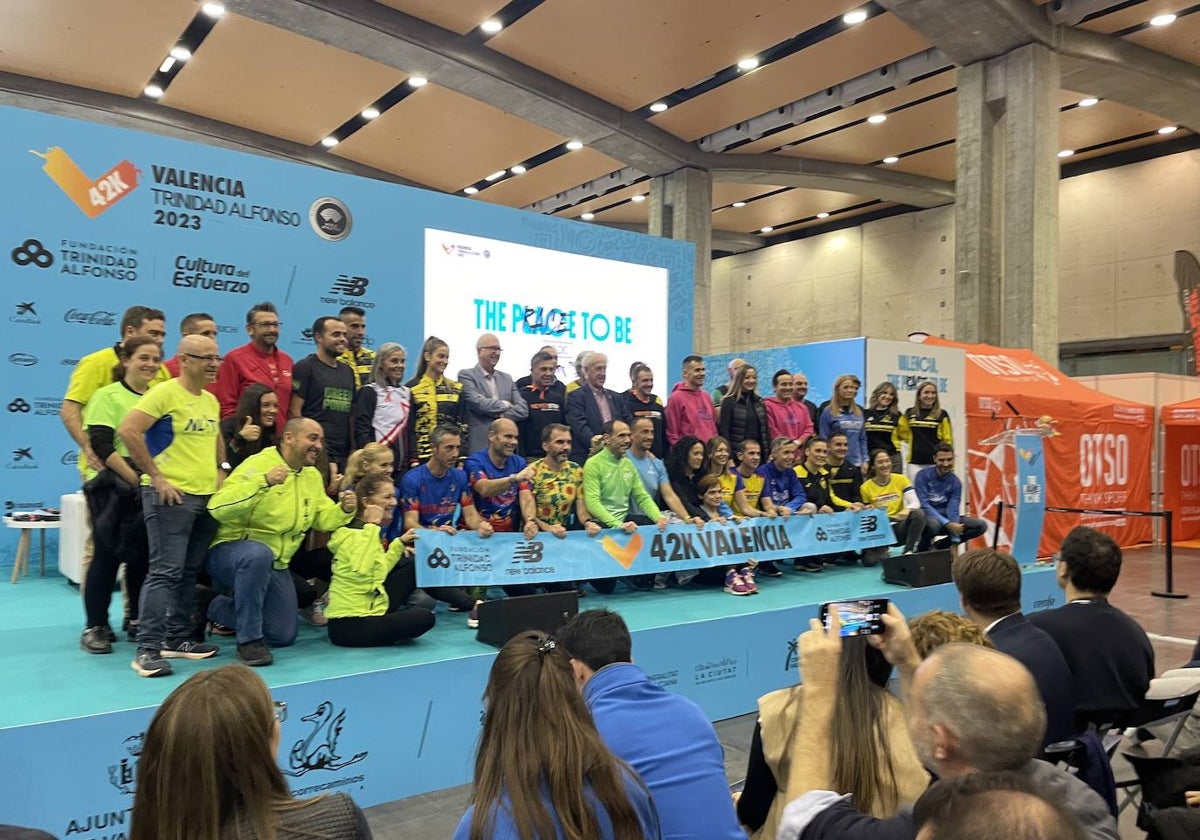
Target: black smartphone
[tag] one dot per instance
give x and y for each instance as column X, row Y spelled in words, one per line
column 859, row 616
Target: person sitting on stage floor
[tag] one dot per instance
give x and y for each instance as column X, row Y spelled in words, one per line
column 251, row 427
column 870, row 754
column 989, row 584
column 893, row 493
column 970, row 709
column 1109, row 654
column 541, row 763
column 940, row 493
column 263, row 511
column 784, row 494
column 371, row 586
column 666, row 738
column 934, row 628
column 207, row 769
column 736, row 581
column 430, row 495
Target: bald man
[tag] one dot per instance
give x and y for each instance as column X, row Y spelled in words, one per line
column 489, row 394
column 969, row 709
column 172, row 435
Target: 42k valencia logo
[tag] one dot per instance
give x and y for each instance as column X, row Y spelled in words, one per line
column 93, row 197
column 623, row 554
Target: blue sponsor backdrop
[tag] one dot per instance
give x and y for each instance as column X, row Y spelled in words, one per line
column 101, row 218
column 822, row 362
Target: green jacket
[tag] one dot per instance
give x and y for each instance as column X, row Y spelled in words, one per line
column 608, row 486
column 247, row 508
column 359, row 567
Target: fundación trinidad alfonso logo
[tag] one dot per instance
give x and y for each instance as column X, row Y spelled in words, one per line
column 623, row 554
column 92, row 196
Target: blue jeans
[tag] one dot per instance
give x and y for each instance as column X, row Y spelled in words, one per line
column 178, row 537
column 263, row 605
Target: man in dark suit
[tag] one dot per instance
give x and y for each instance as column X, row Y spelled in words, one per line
column 489, row 394
column 989, row 583
column 591, row 405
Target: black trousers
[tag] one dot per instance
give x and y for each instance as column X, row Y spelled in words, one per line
column 400, row 623
column 119, row 536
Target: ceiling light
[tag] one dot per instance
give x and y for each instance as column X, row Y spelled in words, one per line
column 471, row 190
column 167, row 64
column 739, row 204
column 1162, row 20
column 856, row 16
column 417, row 81
column 370, row 113
column 747, row 63
column 766, row 229
column 213, row 10
column 1088, row 102
column 153, row 91
column 891, row 159
column 876, row 119
column 492, row 26
column 574, row 145
column 659, row 107
column 518, row 170
column 1066, row 153
column 494, row 176
column 181, row 53
column 1168, row 129
column 638, row 199
column 587, row 217
column 329, row 142
column 822, row 215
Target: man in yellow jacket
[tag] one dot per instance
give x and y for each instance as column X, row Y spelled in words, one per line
column 263, row 510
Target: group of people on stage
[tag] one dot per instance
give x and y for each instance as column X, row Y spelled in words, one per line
column 281, row 490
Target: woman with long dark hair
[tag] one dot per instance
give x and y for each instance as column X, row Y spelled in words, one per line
column 743, row 414
column 872, row 756
column 251, row 427
column 685, row 465
column 880, row 420
column 542, row 770
column 382, row 407
column 436, row 400
column 207, row 770
column 924, row 426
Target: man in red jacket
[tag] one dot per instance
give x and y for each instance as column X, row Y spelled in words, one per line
column 258, row 360
column 690, row 409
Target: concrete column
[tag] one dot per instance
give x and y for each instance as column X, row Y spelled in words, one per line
column 1006, row 216
column 681, row 208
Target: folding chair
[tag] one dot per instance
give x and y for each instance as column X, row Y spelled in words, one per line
column 1169, row 702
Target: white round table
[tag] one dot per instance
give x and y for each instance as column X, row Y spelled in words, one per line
column 21, row 563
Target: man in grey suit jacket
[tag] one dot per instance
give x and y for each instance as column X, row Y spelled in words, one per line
column 489, row 394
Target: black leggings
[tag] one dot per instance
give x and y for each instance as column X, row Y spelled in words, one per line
column 400, row 623
column 119, row 536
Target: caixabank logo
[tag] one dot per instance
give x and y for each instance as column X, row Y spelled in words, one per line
column 91, row 195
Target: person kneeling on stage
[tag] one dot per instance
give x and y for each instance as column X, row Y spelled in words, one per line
column 368, row 596
column 264, row 509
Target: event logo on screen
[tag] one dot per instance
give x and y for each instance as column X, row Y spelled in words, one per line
column 330, row 218
column 92, row 196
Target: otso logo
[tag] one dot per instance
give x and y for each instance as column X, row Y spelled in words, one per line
column 22, row 359
column 319, row 749
column 330, row 219
column 32, row 252
column 99, row 318
column 1189, row 465
column 623, row 554
column 1103, row 459
column 19, row 406
column 529, row 552
column 350, row 286
column 438, row 559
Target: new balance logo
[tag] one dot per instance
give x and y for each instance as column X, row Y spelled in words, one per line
column 349, row 286
column 529, row 552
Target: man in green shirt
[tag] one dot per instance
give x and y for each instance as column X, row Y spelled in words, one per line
column 611, row 482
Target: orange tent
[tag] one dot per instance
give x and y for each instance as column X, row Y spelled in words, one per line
column 1181, row 467
column 1097, row 458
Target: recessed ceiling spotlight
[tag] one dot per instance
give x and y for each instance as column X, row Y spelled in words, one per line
column 213, row 10
column 153, row 91
column 180, row 53
column 495, row 175
column 766, row 229
column 574, row 145
column 417, row 81
column 518, row 170
column 587, row 217
column 370, row 113
column 1066, row 153
column 167, row 64
column 1088, row 102
column 638, row 199
column 659, row 107
column 471, row 190
column 739, row 204
column 1162, row 20
column 856, row 16
column 1168, row 129
column 822, row 215
column 891, row 159
column 492, row 26
column 876, row 119
column 748, row 63
column 329, row 142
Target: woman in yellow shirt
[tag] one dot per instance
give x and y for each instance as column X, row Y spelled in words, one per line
column 894, row 493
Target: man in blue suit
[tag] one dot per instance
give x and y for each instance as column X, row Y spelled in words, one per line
column 591, row 405
column 989, row 584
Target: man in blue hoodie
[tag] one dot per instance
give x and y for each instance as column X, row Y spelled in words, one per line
column 783, row 493
column 940, row 493
column 666, row 738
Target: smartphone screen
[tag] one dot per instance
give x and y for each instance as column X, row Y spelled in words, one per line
column 859, row 617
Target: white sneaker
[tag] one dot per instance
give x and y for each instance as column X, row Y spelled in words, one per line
column 315, row 614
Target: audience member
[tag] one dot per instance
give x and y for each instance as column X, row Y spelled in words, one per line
column 891, row 491
column 258, row 360
column 356, row 356
column 721, row 391
column 323, row 389
column 195, row 323
column 546, row 400
column 880, row 422
column 208, row 769
column 786, row 416
column 642, row 403
column 690, row 410
column 251, row 428
column 436, row 400
column 743, row 414
column 989, row 584
column 173, row 436
column 592, row 406
column 934, row 628
column 1002, row 805
column 1109, row 654
column 264, row 509
column 923, row 427
column 535, row 727
column 667, row 739
column 382, row 407
column 844, row 414
column 488, row 394
column 940, row 494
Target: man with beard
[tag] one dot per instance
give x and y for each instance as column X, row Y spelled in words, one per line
column 263, row 511
column 258, row 360
column 323, row 388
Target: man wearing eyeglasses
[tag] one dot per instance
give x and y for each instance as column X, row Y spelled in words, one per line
column 259, row 360
column 173, row 437
column 489, row 394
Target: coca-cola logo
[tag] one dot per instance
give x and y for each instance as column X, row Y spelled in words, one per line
column 99, row 318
